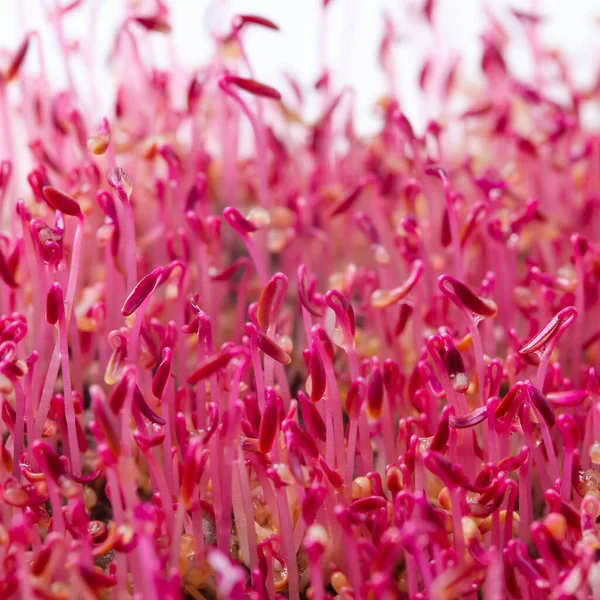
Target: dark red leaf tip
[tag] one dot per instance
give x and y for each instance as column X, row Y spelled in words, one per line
column 153, row 23
column 15, row 64
column 63, row 202
column 464, row 297
column 54, row 304
column 551, row 332
column 240, row 21
column 141, row 291
column 251, row 86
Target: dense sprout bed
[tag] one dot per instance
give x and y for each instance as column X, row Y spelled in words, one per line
column 333, row 366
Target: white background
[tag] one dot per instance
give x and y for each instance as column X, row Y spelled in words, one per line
column 354, row 32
